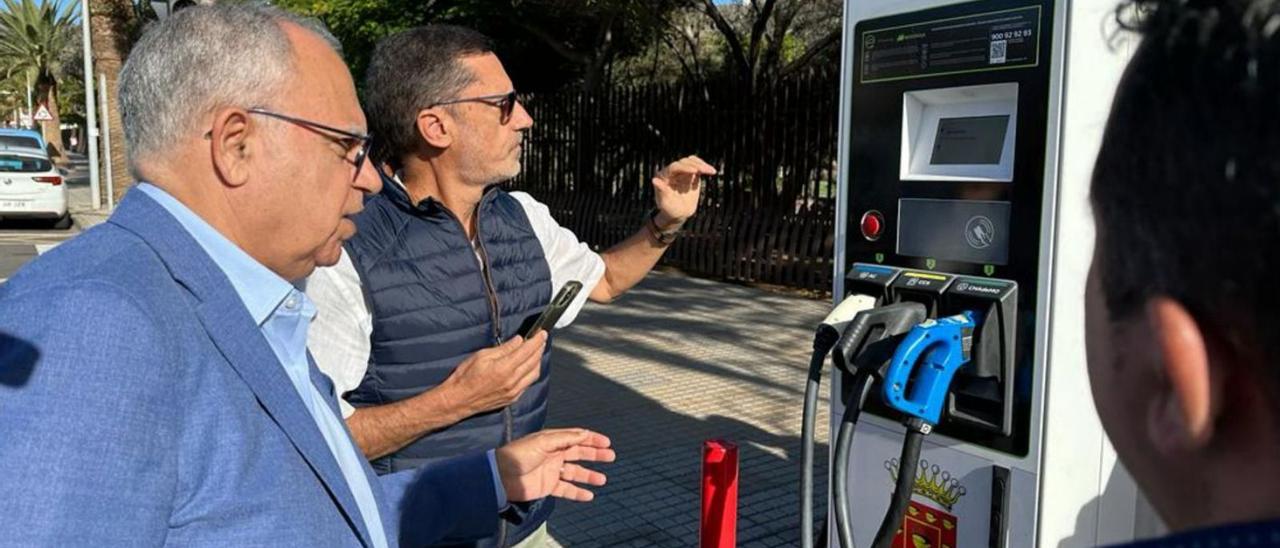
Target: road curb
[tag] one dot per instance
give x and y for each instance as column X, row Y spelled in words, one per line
column 84, row 220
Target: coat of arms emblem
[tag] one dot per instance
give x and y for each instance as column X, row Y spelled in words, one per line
column 927, row 526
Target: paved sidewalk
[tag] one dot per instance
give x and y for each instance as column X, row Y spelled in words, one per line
column 82, row 213
column 86, row 219
column 674, row 362
column 79, row 199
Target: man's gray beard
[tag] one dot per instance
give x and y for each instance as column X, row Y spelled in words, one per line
column 502, row 178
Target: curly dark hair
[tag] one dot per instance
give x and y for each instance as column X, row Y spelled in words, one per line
column 1186, row 190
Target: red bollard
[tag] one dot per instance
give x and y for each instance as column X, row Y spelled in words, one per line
column 719, row 527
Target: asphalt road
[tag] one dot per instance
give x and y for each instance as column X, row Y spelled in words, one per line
column 23, row 240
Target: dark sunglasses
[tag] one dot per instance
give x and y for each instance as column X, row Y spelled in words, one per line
column 348, row 140
column 505, row 102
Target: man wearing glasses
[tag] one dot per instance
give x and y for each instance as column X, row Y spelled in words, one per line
column 155, row 384
column 419, row 317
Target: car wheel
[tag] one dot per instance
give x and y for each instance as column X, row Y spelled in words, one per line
column 63, row 222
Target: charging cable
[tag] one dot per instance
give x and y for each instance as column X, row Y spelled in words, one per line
column 864, row 350
column 916, row 384
column 827, row 335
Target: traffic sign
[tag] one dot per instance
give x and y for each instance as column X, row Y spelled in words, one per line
column 42, row 114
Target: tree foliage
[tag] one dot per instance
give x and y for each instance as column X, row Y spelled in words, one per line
column 359, row 24
column 545, row 44
column 749, row 43
column 34, row 37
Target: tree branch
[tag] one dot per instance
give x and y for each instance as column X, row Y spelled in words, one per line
column 759, row 26
column 730, row 36
column 601, row 56
column 832, row 38
column 694, row 53
column 679, row 55
column 771, row 59
column 551, row 42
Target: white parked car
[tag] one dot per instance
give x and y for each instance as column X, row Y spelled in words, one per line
column 31, row 187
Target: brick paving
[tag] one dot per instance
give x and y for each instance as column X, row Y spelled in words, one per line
column 674, row 362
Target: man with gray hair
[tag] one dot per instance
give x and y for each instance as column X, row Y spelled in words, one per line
column 154, row 378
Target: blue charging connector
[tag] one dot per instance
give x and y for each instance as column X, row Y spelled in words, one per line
column 920, row 373
column 915, row 382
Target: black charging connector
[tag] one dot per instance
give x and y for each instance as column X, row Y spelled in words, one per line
column 982, row 394
column 827, row 336
column 863, row 352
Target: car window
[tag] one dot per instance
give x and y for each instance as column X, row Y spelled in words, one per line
column 19, row 141
column 12, row 163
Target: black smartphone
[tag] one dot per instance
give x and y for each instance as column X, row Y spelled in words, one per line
column 551, row 314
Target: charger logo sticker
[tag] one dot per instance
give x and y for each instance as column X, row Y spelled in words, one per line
column 925, row 526
column 979, row 232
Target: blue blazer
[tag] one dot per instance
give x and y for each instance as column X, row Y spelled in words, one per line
column 140, row 405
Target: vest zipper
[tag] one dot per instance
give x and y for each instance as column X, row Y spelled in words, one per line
column 492, row 293
column 483, row 262
column 497, row 337
column 488, row 278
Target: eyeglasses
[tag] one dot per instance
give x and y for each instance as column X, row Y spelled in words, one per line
column 347, row 140
column 506, row 102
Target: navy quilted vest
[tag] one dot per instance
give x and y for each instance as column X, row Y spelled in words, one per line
column 433, row 305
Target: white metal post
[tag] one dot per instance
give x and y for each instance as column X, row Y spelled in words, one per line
column 91, row 112
column 106, row 143
column 30, row 111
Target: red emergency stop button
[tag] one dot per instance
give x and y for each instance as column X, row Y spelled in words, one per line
column 872, row 225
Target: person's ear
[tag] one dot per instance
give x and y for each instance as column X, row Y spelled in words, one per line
column 231, row 141
column 1188, row 394
column 435, row 127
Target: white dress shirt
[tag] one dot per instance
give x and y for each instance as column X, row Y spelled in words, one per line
column 339, row 339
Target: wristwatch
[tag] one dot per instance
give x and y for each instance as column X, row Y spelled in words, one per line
column 664, row 237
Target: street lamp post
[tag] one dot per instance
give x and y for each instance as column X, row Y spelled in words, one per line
column 90, row 107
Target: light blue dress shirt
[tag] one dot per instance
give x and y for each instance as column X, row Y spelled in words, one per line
column 283, row 314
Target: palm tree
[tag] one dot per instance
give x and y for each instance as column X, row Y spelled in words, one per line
column 13, row 96
column 32, row 39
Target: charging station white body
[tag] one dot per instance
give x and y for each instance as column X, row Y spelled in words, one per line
column 1068, row 489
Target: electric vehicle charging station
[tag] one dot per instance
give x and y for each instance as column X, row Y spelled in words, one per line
column 968, row 133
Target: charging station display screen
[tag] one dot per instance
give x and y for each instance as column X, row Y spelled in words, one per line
column 973, row 140
column 954, row 230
